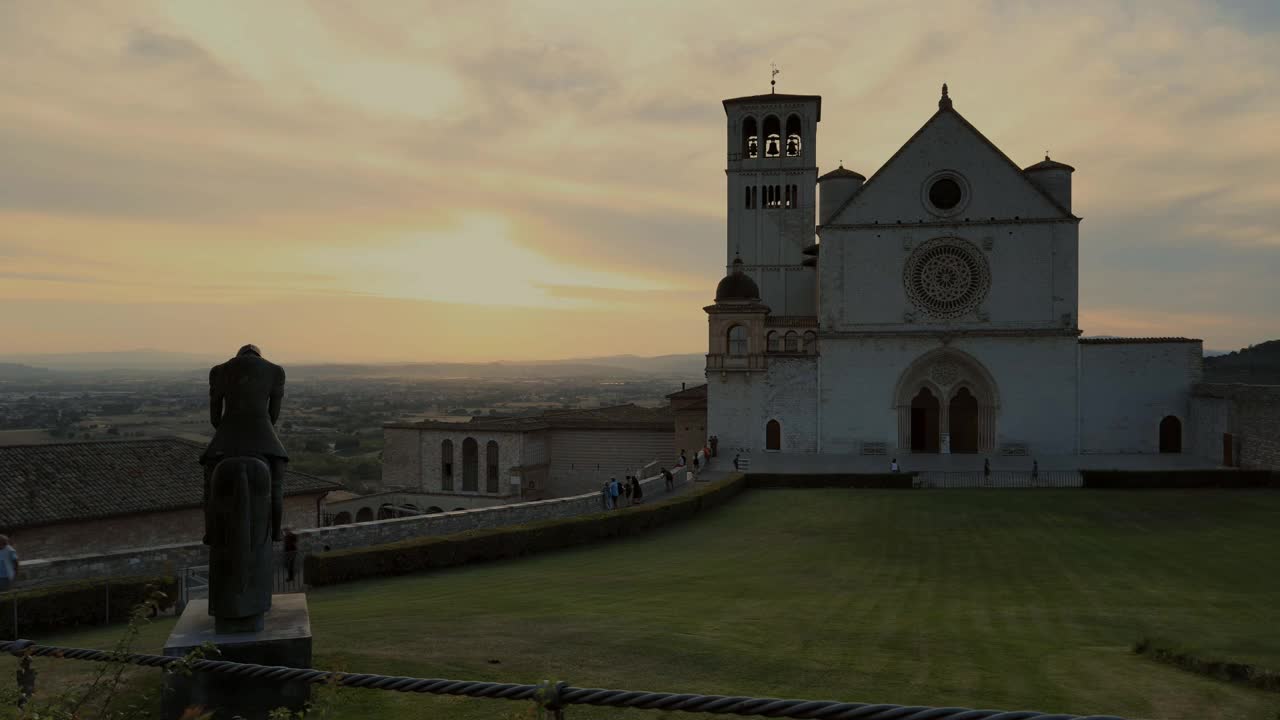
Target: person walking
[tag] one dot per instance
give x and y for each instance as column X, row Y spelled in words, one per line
column 697, row 461
column 604, row 495
column 986, row 471
column 668, row 480
column 1035, row 470
column 893, row 465
column 290, row 554
column 627, row 485
column 637, row 492
column 682, row 461
column 8, row 564
column 614, row 492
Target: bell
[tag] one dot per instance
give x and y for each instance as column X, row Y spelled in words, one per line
column 793, row 146
column 752, row 146
column 771, row 148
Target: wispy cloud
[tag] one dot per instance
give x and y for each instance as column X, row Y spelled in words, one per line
column 176, row 144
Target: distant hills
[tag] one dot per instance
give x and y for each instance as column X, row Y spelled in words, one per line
column 50, row 365
column 1256, row 365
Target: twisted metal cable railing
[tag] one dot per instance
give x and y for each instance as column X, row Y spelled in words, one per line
column 554, row 697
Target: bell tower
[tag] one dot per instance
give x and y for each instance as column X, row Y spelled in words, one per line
column 772, row 174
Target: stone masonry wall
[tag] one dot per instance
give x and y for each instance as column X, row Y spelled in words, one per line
column 145, row 530
column 170, row 558
column 1252, row 416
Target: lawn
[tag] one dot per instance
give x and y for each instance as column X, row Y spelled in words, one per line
column 1007, row 599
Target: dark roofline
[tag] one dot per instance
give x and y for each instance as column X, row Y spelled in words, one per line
column 775, row 97
column 695, row 391
column 942, row 110
column 1137, row 340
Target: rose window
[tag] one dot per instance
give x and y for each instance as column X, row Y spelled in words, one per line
column 946, row 278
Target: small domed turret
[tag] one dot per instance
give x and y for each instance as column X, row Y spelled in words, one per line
column 834, row 190
column 1054, row 178
column 737, row 286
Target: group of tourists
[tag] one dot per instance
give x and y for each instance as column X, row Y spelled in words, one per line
column 614, row 493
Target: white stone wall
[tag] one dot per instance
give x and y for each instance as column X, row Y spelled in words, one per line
column 1035, row 382
column 735, row 411
column 1127, row 389
column 790, row 394
column 1033, row 277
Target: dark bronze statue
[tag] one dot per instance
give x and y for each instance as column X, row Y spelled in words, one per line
column 243, row 488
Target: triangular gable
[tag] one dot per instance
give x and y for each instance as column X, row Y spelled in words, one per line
column 999, row 169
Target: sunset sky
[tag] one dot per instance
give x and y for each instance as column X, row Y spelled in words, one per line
column 392, row 181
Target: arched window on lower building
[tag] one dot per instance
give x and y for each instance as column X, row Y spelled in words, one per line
column 446, row 465
column 342, row 518
column 386, row 512
column 810, row 342
column 738, row 341
column 1170, row 435
column 791, row 343
column 364, row 514
column 491, row 466
column 773, row 435
column 470, row 465
column 773, row 342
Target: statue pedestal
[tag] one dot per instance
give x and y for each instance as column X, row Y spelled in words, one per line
column 284, row 640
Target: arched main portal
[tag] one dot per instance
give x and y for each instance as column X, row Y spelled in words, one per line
column 924, row 422
column 962, row 418
column 1170, row 435
column 946, row 401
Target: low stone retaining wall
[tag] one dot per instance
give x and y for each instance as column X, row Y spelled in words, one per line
column 168, row 559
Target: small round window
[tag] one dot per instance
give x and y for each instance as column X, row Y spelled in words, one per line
column 945, row 193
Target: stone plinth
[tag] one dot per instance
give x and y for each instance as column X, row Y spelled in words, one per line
column 284, row 640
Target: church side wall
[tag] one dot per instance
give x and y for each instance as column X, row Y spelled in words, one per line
column 1210, row 420
column 582, row 459
column 1128, row 388
column 790, row 395
column 735, row 412
column 691, row 432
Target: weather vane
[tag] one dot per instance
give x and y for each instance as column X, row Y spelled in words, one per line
column 773, row 79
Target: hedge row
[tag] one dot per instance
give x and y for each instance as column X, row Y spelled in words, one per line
column 1186, row 479
column 421, row 554
column 1236, row 672
column 87, row 602
column 896, row 481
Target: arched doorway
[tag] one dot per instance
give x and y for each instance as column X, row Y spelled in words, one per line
column 924, row 422
column 946, row 393
column 470, row 465
column 963, row 422
column 773, row 435
column 364, row 514
column 1170, row 435
column 342, row 518
column 386, row 512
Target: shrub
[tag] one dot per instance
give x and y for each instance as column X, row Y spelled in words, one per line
column 1235, row 672
column 1184, row 479
column 420, row 554
column 55, row 607
column 897, row 481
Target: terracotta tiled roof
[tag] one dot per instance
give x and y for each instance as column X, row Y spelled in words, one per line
column 45, row 484
column 1135, row 341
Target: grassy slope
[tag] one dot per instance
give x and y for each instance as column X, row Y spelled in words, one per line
column 1011, row 599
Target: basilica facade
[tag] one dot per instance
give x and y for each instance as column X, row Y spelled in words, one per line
column 935, row 311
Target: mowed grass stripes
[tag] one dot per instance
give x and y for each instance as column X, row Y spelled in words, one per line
column 1010, row 599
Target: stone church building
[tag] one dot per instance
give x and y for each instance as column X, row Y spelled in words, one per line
column 937, row 313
